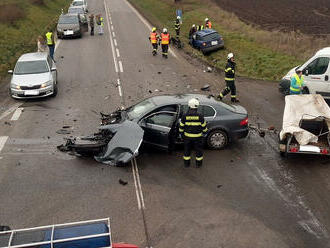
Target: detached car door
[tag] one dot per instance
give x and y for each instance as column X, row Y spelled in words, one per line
column 157, row 128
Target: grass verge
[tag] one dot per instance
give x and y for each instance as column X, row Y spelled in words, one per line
column 21, row 26
column 260, row 54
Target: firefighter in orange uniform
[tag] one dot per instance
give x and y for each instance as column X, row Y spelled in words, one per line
column 165, row 41
column 154, row 38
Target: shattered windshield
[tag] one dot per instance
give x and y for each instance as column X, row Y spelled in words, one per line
column 140, row 109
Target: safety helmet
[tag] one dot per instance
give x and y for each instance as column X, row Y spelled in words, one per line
column 153, row 29
column 193, row 103
column 206, row 19
column 178, row 17
column 193, row 25
column 230, row 55
column 164, row 30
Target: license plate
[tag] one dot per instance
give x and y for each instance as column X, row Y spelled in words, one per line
column 68, row 32
column 309, row 148
column 31, row 93
column 214, row 42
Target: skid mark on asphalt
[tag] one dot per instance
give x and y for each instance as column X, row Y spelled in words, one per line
column 280, row 180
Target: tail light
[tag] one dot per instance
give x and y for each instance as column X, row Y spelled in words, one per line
column 293, row 149
column 324, row 151
column 204, row 44
column 244, row 122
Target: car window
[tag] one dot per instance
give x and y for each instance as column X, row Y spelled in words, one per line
column 210, row 37
column 184, row 109
column 140, row 109
column 198, row 37
column 77, row 3
column 31, row 67
column 318, row 66
column 208, row 111
column 72, row 19
column 76, row 10
column 161, row 119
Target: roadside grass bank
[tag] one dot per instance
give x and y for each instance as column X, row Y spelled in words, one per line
column 260, row 54
column 21, row 21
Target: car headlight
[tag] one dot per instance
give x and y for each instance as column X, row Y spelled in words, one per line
column 44, row 85
column 15, row 86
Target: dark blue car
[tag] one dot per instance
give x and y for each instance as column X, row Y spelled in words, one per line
column 207, row 40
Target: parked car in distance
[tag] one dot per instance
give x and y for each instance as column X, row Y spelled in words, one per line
column 207, row 40
column 69, row 25
column 80, row 3
column 316, row 73
column 35, row 75
column 83, row 17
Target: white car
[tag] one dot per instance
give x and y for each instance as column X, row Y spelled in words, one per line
column 34, row 76
column 80, row 3
column 316, row 73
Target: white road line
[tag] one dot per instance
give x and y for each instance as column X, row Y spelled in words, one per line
column 115, row 41
column 58, row 42
column 10, row 110
column 119, row 88
column 117, row 51
column 139, row 185
column 113, row 34
column 112, row 27
column 121, row 66
column 111, row 41
column 146, row 23
column 3, row 140
column 17, row 114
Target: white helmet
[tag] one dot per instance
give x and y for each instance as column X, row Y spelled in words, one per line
column 164, row 30
column 178, row 17
column 206, row 19
column 193, row 103
column 193, row 25
column 230, row 55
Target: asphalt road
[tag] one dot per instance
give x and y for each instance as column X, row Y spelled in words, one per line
column 244, row 196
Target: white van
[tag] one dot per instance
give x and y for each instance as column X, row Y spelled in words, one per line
column 316, row 73
column 80, row 3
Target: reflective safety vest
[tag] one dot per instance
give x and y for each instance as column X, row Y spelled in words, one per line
column 296, row 84
column 153, row 37
column 192, row 124
column 49, row 36
column 177, row 25
column 208, row 24
column 165, row 39
column 201, row 27
column 101, row 20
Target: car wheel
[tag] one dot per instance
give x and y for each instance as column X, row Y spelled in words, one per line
column 55, row 90
column 217, row 139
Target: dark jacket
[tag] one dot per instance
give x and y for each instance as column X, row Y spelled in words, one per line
column 192, row 124
column 230, row 71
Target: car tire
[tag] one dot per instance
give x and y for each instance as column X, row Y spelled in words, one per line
column 55, row 90
column 217, row 139
column 305, row 90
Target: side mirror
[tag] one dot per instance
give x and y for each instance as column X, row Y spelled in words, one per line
column 306, row 72
column 11, row 72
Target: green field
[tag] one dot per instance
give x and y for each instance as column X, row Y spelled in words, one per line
column 254, row 59
column 20, row 28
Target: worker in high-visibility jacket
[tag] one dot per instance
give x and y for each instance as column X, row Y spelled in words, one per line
column 177, row 26
column 297, row 83
column 50, row 43
column 230, row 79
column 154, row 38
column 165, row 41
column 192, row 127
column 208, row 23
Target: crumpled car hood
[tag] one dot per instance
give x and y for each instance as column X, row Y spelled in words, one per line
column 124, row 145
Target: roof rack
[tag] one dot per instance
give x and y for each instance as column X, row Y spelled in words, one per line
column 83, row 234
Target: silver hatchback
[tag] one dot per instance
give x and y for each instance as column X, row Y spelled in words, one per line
column 35, row 75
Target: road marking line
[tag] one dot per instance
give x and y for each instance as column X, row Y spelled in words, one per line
column 115, row 41
column 111, row 41
column 119, row 88
column 136, row 187
column 121, row 66
column 16, row 114
column 10, row 110
column 113, row 34
column 3, row 140
column 146, row 23
column 117, row 51
column 58, row 42
column 112, row 27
